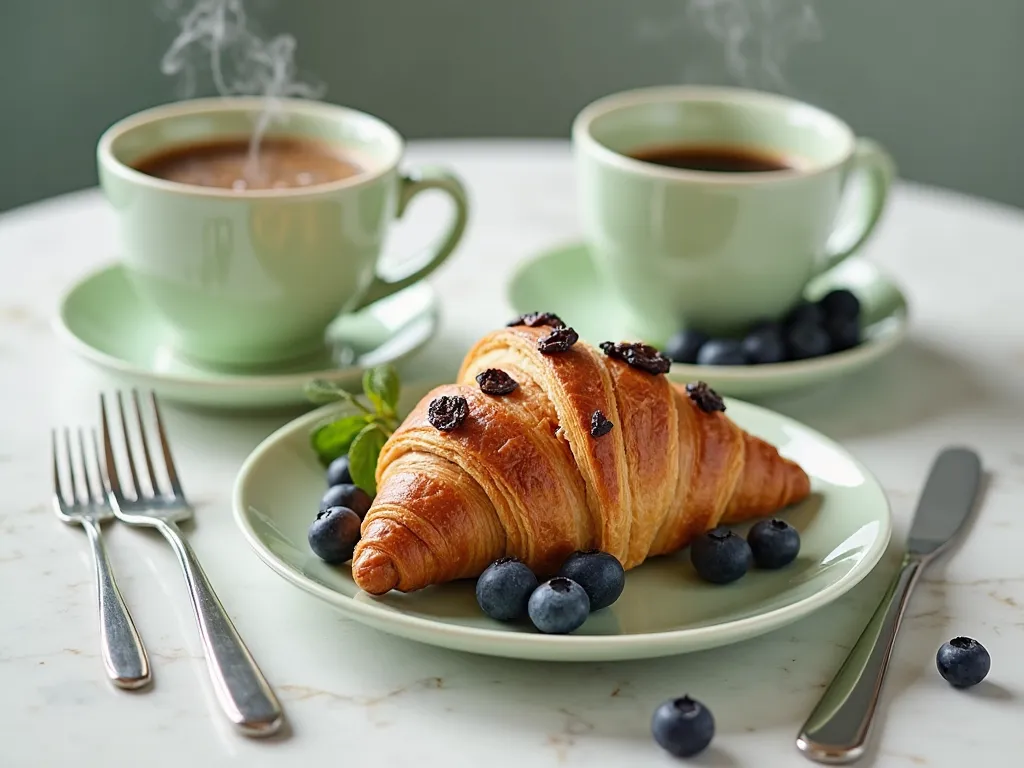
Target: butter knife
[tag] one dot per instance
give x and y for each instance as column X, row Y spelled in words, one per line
column 839, row 727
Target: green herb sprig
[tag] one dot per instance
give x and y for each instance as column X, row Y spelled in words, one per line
column 364, row 428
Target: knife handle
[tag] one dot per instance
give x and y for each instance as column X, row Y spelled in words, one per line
column 838, row 728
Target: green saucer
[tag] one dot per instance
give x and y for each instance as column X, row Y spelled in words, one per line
column 104, row 321
column 563, row 280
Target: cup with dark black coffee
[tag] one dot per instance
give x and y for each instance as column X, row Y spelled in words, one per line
column 249, row 249
column 714, row 207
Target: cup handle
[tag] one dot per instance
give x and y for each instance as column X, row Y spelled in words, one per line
column 410, row 185
column 878, row 169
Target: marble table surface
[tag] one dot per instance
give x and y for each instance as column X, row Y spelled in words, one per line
column 353, row 695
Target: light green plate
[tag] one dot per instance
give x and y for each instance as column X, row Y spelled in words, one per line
column 104, row 320
column 563, row 280
column 664, row 610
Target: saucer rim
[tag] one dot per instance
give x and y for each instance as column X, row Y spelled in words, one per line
column 866, row 351
column 214, row 379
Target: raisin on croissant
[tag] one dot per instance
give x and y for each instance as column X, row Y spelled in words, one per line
column 592, row 450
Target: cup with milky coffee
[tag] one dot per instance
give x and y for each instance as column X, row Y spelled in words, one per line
column 248, row 252
column 714, row 207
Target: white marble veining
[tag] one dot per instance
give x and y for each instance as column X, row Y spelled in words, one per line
column 356, row 696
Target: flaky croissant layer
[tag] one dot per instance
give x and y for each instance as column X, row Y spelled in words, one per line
column 537, row 473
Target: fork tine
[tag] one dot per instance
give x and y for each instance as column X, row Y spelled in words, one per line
column 84, row 463
column 58, row 493
column 128, row 447
column 109, row 464
column 98, row 468
column 145, row 443
column 165, row 447
column 72, row 478
column 92, row 491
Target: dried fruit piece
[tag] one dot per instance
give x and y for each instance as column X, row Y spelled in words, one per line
column 638, row 355
column 559, row 340
column 599, row 425
column 537, row 319
column 495, row 381
column 447, row 412
column 705, row 397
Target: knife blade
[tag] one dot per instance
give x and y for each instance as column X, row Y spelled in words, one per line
column 838, row 729
column 946, row 501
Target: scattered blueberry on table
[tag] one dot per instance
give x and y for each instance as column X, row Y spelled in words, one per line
column 347, row 495
column 774, row 543
column 600, row 574
column 720, row 556
column 334, row 534
column 504, row 588
column 807, row 330
column 683, row 727
column 559, row 606
column 963, row 662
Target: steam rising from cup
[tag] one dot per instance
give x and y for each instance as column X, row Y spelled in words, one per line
column 757, row 36
column 217, row 34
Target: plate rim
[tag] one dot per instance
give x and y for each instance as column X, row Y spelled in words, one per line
column 216, row 381
column 836, row 362
column 556, row 647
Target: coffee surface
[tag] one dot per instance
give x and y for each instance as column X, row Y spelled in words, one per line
column 280, row 164
column 717, row 159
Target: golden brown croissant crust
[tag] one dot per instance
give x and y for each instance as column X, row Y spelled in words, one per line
column 524, row 475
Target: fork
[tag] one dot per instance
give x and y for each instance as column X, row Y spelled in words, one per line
column 81, row 501
column 242, row 690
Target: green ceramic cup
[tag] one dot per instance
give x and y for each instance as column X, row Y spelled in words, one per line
column 714, row 250
column 254, row 278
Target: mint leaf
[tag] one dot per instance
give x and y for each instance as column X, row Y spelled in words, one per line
column 381, row 385
column 335, row 439
column 362, row 457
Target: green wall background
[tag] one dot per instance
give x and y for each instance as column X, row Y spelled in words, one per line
column 939, row 82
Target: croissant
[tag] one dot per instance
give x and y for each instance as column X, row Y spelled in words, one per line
column 575, row 449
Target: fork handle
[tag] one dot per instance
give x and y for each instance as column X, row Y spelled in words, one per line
column 242, row 690
column 124, row 656
column 838, row 729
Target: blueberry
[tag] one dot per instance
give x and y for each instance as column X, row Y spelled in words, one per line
column 334, row 534
column 720, row 556
column 347, row 495
column 504, row 589
column 840, row 303
column 843, row 332
column 774, row 543
column 601, row 575
column 963, row 662
column 559, row 606
column 721, row 352
column 764, row 346
column 684, row 346
column 683, row 727
column 804, row 313
column 338, row 472
column 804, row 341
